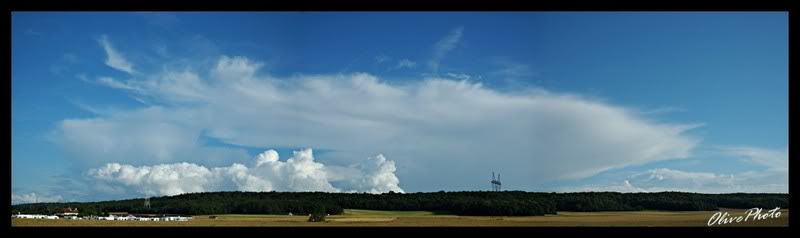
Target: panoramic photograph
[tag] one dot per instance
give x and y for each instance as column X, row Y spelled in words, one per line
column 399, row 119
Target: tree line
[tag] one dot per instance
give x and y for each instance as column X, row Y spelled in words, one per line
column 479, row 203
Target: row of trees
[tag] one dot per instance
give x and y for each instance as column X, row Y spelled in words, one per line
column 509, row 203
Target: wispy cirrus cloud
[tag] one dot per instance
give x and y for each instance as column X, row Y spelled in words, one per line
column 114, row 58
column 754, row 181
column 511, row 70
column 35, row 33
column 663, row 110
column 771, row 158
column 381, row 58
column 443, row 46
column 64, row 65
column 459, row 76
column 772, row 179
column 161, row 50
column 110, row 82
column 405, row 63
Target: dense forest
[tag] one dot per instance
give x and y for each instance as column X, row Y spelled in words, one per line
column 508, row 203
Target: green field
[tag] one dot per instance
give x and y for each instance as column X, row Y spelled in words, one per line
column 354, row 217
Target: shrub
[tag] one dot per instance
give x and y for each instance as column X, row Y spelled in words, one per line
column 317, row 217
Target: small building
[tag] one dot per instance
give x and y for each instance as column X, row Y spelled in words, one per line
column 176, row 218
column 34, row 216
column 30, row 216
column 69, row 211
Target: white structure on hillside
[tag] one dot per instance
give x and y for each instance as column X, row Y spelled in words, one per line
column 107, row 218
column 33, row 216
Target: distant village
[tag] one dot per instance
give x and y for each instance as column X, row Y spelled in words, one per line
column 72, row 214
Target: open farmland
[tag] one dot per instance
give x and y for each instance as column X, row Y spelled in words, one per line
column 353, row 217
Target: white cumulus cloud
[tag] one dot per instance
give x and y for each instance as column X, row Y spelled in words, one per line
column 267, row 173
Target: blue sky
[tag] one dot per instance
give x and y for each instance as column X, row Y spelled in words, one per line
column 684, row 101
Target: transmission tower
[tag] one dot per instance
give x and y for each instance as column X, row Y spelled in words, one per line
column 496, row 185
